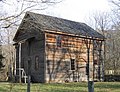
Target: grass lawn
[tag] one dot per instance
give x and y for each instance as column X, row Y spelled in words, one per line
column 65, row 87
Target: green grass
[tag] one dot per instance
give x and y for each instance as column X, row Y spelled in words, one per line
column 63, row 87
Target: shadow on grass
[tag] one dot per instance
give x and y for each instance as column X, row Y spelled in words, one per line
column 62, row 87
column 112, row 85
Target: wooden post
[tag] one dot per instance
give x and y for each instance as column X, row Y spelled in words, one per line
column 88, row 63
column 93, row 60
column 29, row 79
column 103, row 61
column 15, row 59
column 100, row 61
column 19, row 63
column 90, row 83
column 104, row 53
column 29, row 66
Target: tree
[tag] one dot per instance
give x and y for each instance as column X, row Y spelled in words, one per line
column 102, row 23
column 12, row 12
column 116, row 11
column 1, row 64
column 20, row 7
column 114, row 37
column 9, row 22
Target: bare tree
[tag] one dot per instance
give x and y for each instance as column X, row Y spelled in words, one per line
column 21, row 6
column 12, row 12
column 116, row 11
column 10, row 21
column 114, row 36
column 102, row 23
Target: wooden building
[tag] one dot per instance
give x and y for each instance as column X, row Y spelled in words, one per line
column 57, row 50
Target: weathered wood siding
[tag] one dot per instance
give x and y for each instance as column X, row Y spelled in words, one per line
column 59, row 55
column 34, row 49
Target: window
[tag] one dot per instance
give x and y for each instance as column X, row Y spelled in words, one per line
column 58, row 40
column 36, row 63
column 72, row 64
column 95, row 62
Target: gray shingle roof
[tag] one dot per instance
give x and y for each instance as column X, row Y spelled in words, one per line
column 62, row 25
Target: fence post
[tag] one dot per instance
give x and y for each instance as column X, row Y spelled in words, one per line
column 29, row 79
column 91, row 86
column 28, row 84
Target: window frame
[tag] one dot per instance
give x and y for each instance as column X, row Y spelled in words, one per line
column 37, row 63
column 59, row 41
column 71, row 64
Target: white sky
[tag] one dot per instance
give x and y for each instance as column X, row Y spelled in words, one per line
column 78, row 10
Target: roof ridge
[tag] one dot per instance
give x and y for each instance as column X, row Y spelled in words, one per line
column 59, row 24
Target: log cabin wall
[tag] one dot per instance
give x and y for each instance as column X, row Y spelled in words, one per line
column 58, row 49
column 66, row 58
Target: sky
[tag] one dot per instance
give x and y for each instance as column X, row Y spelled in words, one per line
column 78, row 10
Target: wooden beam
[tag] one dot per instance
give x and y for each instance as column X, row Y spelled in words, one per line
column 73, row 35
